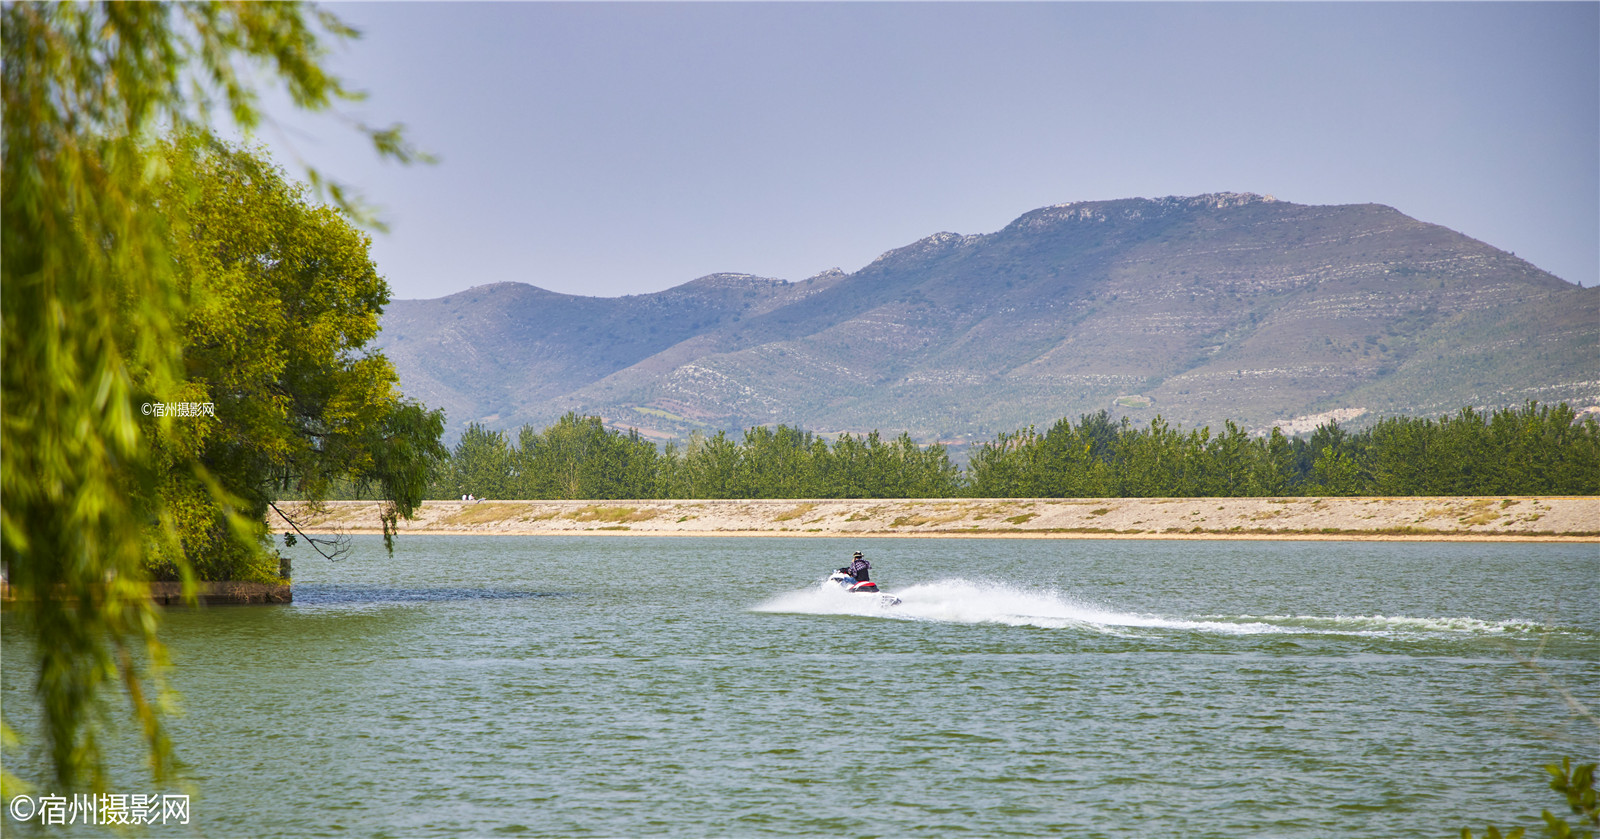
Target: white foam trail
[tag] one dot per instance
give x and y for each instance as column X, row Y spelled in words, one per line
column 965, row 601
column 975, row 602
column 1386, row 624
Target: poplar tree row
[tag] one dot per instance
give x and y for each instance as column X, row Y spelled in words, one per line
column 578, row 457
column 1532, row 450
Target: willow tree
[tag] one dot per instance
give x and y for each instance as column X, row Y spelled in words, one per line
column 279, row 300
column 91, row 306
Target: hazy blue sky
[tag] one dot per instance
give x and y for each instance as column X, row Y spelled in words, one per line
column 611, row 149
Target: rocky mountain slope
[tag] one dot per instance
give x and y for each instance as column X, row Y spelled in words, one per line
column 1200, row 309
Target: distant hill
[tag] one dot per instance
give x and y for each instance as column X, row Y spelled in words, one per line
column 1222, row 306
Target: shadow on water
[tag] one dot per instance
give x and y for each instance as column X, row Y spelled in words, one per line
column 331, row 594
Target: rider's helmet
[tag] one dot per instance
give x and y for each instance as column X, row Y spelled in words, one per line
column 858, row 555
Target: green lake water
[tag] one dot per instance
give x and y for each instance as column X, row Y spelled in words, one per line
column 681, row 687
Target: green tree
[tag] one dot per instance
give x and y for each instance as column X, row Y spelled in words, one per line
column 526, row 481
column 480, row 466
column 1233, row 465
column 558, row 462
column 1337, row 465
column 1336, row 473
column 924, row 472
column 710, row 467
column 1150, row 463
column 278, row 299
column 578, row 457
column 1070, row 467
column 1004, row 468
column 1546, row 450
column 91, row 307
column 640, row 467
column 1404, row 457
column 1278, row 470
column 777, row 463
column 852, row 466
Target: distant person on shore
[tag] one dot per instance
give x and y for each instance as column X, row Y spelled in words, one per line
column 858, row 568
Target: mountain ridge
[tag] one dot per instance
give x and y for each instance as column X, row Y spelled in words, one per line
column 1200, row 308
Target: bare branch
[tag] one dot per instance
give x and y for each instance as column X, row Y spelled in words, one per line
column 337, row 546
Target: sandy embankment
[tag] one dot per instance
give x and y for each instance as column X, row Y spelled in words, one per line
column 1509, row 518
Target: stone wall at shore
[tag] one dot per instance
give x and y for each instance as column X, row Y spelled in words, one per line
column 210, row 594
column 224, row 593
column 1496, row 517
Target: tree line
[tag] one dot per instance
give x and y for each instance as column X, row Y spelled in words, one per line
column 578, row 457
column 1531, row 450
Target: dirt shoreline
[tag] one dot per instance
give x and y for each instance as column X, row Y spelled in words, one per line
column 1491, row 518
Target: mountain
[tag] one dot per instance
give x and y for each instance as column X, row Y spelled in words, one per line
column 1200, row 309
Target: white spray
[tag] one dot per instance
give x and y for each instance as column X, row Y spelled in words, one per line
column 977, row 602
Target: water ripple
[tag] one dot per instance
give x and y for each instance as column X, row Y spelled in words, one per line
column 314, row 594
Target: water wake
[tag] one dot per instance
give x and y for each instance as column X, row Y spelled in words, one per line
column 974, row 602
column 331, row 594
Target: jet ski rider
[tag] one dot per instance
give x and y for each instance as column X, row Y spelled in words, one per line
column 857, row 569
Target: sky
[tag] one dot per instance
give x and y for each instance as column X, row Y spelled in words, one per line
column 622, row 148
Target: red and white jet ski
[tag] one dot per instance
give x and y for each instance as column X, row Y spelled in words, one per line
column 866, row 588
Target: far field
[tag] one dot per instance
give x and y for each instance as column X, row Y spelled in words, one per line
column 1509, row 517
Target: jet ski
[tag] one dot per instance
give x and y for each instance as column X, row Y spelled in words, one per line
column 865, row 588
